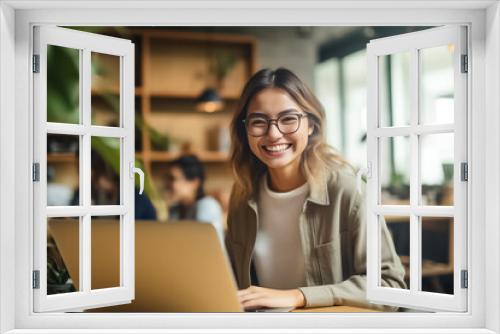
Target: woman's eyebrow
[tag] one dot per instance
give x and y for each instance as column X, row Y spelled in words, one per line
column 257, row 113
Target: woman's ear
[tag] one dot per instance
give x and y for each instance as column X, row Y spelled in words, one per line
column 310, row 130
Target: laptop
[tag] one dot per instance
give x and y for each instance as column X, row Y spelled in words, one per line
column 179, row 266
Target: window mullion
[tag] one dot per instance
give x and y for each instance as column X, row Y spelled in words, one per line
column 79, row 129
column 85, row 109
column 85, row 255
column 415, row 129
column 415, row 235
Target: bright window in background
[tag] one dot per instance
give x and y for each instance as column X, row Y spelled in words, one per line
column 340, row 85
column 326, row 81
column 355, row 107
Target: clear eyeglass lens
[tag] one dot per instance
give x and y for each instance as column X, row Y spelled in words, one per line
column 257, row 126
column 288, row 123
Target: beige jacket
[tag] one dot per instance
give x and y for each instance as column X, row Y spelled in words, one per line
column 333, row 238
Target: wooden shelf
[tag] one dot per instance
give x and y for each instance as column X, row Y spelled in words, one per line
column 191, row 36
column 187, row 96
column 115, row 91
column 429, row 268
column 61, row 157
column 204, row 156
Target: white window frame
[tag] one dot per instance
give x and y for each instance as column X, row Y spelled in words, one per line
column 85, row 43
column 16, row 21
column 412, row 43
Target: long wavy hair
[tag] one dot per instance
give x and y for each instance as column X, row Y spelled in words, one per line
column 318, row 158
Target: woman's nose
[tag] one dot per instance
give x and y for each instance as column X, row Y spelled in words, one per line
column 273, row 131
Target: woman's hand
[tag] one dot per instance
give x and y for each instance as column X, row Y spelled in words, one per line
column 255, row 297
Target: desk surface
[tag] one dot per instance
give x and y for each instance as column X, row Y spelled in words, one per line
column 335, row 309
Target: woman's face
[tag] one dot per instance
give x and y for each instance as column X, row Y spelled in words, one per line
column 178, row 187
column 275, row 149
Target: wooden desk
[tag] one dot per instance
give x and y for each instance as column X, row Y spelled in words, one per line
column 335, row 309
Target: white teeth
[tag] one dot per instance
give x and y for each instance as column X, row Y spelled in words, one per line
column 277, row 148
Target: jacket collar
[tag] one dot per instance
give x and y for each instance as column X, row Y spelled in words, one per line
column 319, row 193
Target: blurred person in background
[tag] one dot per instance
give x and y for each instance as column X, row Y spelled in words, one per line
column 105, row 190
column 186, row 196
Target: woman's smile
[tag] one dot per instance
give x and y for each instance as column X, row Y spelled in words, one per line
column 276, row 149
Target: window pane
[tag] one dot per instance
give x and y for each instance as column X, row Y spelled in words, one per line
column 399, row 231
column 436, row 85
column 63, row 255
column 395, row 170
column 63, row 84
column 105, row 171
column 394, row 89
column 63, row 169
column 437, row 254
column 437, row 169
column 105, row 239
column 105, row 89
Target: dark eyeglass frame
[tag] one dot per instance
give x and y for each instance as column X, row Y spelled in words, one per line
column 276, row 120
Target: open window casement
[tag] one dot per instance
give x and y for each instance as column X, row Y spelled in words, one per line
column 417, row 111
column 67, row 68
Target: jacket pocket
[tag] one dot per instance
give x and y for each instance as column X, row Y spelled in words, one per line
column 329, row 262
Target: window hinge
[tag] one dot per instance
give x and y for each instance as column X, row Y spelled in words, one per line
column 464, row 168
column 465, row 279
column 465, row 64
column 36, row 172
column 36, row 63
column 36, row 279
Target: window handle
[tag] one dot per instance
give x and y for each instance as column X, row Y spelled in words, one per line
column 134, row 170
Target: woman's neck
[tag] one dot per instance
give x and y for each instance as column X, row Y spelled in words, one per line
column 285, row 179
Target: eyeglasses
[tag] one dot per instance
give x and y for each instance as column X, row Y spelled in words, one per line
column 258, row 125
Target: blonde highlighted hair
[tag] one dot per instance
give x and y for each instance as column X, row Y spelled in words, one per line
column 318, row 157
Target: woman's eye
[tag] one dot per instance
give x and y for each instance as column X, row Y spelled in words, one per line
column 258, row 122
column 288, row 119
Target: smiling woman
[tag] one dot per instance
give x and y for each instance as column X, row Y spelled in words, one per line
column 297, row 222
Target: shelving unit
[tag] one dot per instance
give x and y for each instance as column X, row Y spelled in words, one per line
column 172, row 69
column 174, row 72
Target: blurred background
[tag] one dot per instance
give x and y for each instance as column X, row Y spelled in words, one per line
column 187, row 83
